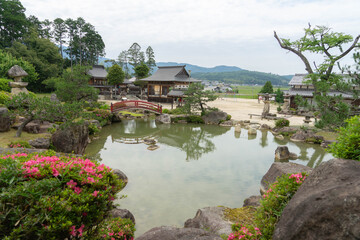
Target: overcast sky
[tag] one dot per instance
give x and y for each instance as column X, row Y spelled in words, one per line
column 207, row 32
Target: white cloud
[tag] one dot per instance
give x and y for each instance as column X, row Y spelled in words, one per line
column 203, row 25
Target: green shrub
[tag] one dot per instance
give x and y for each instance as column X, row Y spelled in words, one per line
column 166, row 111
column 348, row 142
column 104, row 107
column 275, row 200
column 282, row 123
column 228, row 117
column 278, row 108
column 244, row 232
column 119, row 229
column 19, row 144
column 4, row 97
column 194, row 119
column 93, row 129
column 178, row 110
column 50, row 197
column 4, row 85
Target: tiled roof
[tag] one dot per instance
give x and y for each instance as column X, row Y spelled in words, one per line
column 309, row 93
column 175, row 93
column 170, row 74
column 98, row 71
column 300, row 79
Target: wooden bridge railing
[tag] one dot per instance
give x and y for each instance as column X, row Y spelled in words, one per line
column 136, row 104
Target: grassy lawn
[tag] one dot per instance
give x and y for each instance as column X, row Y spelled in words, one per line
column 131, row 113
column 8, row 137
column 247, row 92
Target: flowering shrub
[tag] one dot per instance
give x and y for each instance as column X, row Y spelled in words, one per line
column 50, row 197
column 19, row 144
column 103, row 116
column 282, row 123
column 244, row 232
column 275, row 200
column 117, row 228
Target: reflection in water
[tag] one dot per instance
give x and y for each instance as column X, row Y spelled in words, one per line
column 166, row 187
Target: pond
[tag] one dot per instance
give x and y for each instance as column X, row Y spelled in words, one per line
column 195, row 166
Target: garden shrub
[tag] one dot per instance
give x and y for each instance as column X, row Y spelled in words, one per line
column 194, row 119
column 50, row 197
column 116, row 228
column 282, row 123
column 4, row 97
column 93, row 129
column 166, row 111
column 348, row 142
column 278, row 109
column 4, row 85
column 228, row 117
column 275, row 200
column 103, row 116
column 244, row 232
column 19, row 144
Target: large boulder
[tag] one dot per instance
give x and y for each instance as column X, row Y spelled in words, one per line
column 72, row 139
column 252, row 201
column 306, row 136
column 123, row 213
column 214, row 117
column 40, row 143
column 326, row 206
column 122, row 176
column 211, row 219
column 33, row 127
column 173, row 233
column 5, row 120
column 163, row 118
column 277, row 169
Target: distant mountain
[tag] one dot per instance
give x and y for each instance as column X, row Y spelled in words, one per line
column 243, row 77
column 198, row 69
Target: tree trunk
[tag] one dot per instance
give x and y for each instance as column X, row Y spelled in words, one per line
column 21, row 127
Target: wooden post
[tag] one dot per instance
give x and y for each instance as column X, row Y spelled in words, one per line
column 111, row 107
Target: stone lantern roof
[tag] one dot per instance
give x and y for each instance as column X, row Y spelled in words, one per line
column 17, row 73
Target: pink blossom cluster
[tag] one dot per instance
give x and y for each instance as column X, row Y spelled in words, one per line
column 299, row 178
column 13, row 156
column 268, row 191
column 77, row 232
column 244, row 233
column 15, row 146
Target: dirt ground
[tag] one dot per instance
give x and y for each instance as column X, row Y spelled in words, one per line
column 240, row 109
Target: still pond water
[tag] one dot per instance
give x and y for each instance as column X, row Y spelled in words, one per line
column 195, row 166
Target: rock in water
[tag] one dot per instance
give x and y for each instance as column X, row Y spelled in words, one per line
column 326, row 206
column 163, row 118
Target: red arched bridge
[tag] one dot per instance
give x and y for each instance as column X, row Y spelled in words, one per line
column 124, row 105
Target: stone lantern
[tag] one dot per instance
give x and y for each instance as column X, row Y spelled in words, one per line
column 17, row 86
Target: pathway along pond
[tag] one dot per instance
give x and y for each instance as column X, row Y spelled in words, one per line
column 195, row 166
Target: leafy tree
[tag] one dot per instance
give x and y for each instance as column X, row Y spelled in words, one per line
column 279, row 98
column 123, row 60
column 267, row 88
column 196, row 98
column 43, row 28
column 59, row 33
column 150, row 62
column 43, row 54
column 115, row 75
column 7, row 61
column 135, row 56
column 321, row 40
column 32, row 108
column 13, row 22
column 74, row 86
column 141, row 71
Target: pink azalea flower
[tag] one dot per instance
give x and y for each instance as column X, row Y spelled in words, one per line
column 77, row 190
column 95, row 193
column 80, row 230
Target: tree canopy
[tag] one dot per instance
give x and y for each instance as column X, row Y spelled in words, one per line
column 115, row 75
column 267, row 88
column 141, row 71
column 196, row 98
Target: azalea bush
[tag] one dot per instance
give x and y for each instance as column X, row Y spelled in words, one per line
column 50, row 197
column 103, row 116
column 275, row 200
column 282, row 123
column 244, row 232
column 116, row 228
column 19, row 144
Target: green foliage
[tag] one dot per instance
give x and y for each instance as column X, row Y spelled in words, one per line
column 278, row 108
column 42, row 54
column 141, row 71
column 267, row 88
column 166, row 111
column 4, row 85
column 194, row 119
column 74, row 86
column 228, row 117
column 275, row 200
column 279, row 98
column 150, row 62
column 4, row 97
column 282, row 123
column 93, row 129
column 13, row 23
column 7, row 61
column 135, row 56
column 115, row 75
column 19, row 144
column 348, row 142
column 116, row 228
column 246, row 232
column 49, row 197
column 196, row 98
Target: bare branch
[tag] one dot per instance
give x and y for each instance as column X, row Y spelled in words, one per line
column 302, row 57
